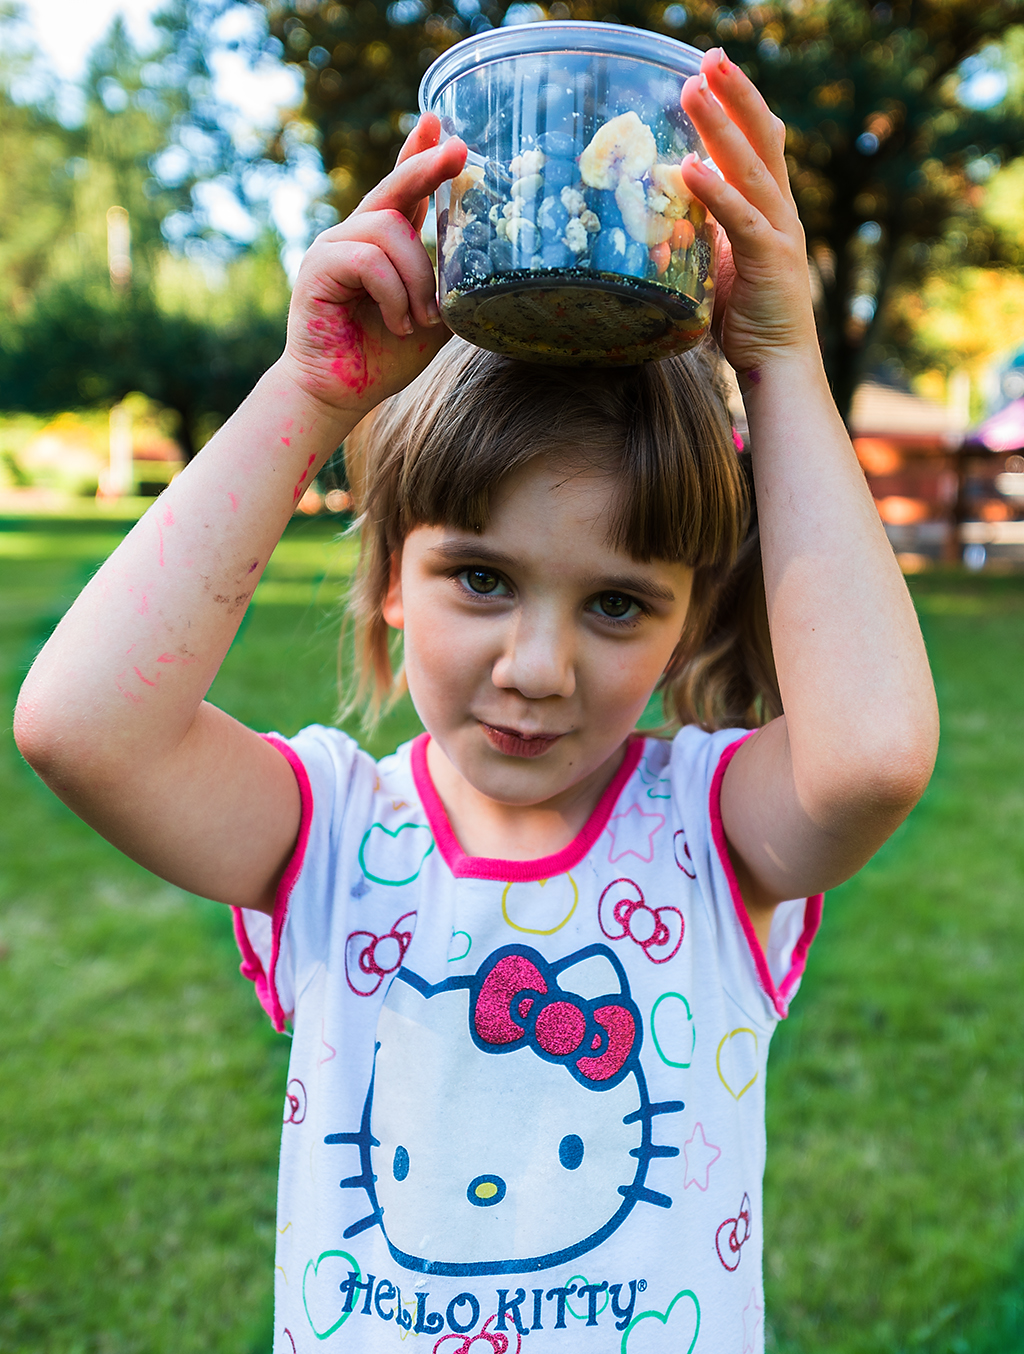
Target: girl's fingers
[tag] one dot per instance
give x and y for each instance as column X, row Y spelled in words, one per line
column 424, row 136
column 400, row 241
column 748, row 110
column 733, row 153
column 388, row 262
column 414, row 178
column 367, row 267
column 747, row 228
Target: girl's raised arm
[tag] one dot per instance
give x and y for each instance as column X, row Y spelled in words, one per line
column 808, row 799
column 112, row 714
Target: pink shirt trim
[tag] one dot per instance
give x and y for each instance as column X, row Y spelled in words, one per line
column 251, row 966
column 779, row 996
column 516, row 871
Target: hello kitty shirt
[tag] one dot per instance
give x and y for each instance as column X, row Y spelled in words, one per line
column 525, row 1106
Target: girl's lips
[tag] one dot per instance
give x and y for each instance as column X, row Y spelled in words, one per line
column 514, row 744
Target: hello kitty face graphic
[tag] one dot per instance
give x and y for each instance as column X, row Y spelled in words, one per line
column 507, row 1127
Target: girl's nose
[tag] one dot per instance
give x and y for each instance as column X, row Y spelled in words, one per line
column 538, row 659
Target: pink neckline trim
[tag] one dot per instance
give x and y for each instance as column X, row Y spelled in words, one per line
column 779, row 996
column 516, row 871
column 251, row 967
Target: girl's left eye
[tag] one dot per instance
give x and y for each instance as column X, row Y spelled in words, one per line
column 616, row 606
column 481, row 581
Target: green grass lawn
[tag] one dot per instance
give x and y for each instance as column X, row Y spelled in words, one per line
column 142, row 1087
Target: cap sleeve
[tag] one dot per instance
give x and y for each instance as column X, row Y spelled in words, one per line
column 698, row 766
column 280, row 952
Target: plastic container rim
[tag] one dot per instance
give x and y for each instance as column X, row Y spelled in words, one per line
column 598, row 39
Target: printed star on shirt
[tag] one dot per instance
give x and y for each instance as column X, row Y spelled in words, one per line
column 626, row 829
column 700, row 1155
column 752, row 1314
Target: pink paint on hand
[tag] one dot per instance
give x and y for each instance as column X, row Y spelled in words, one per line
column 345, row 342
column 144, row 679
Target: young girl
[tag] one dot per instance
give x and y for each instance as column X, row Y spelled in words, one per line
column 532, row 961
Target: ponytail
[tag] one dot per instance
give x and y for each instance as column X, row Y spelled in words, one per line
column 722, row 674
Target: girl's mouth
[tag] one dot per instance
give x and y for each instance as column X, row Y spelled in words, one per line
column 515, row 744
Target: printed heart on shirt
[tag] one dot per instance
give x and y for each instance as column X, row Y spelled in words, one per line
column 673, row 1331
column 737, row 1062
column 675, row 1035
column 321, row 1294
column 584, row 1305
column 395, row 858
column 541, row 907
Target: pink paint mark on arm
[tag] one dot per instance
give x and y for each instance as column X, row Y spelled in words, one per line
column 233, row 500
column 287, row 441
column 168, row 518
column 254, row 566
column 160, row 542
column 302, row 479
column 144, row 679
column 143, row 606
column 132, row 696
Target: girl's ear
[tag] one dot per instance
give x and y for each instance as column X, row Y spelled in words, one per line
column 392, row 610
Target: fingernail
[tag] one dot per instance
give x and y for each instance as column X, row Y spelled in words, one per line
column 407, row 325
column 433, row 314
column 703, row 85
column 716, row 56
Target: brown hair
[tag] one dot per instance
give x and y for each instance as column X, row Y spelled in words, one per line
column 434, row 454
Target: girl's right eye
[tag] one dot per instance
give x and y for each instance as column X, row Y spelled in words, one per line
column 481, row 581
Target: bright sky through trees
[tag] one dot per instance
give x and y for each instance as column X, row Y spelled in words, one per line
column 65, row 31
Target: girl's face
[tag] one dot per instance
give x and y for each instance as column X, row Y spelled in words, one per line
column 532, row 648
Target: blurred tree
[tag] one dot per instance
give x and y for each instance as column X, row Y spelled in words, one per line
column 195, row 349
column 896, row 112
column 36, row 190
column 193, row 329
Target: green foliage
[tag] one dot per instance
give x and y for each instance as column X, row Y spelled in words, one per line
column 79, row 343
column 193, row 334
column 878, row 136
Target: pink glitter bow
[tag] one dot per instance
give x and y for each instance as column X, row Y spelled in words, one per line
column 516, row 1005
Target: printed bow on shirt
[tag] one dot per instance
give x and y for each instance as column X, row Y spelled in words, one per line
column 519, row 1004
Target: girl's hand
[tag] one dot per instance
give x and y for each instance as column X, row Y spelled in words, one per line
column 763, row 302
column 363, row 320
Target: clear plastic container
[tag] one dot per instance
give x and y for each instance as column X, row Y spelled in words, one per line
column 570, row 237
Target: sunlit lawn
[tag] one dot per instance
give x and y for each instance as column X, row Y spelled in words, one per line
column 141, row 1087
